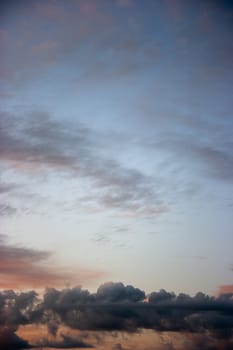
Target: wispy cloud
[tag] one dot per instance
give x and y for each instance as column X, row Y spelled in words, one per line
column 45, row 145
column 7, row 210
column 215, row 160
column 6, row 187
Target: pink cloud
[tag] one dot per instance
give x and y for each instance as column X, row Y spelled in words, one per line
column 22, row 267
column 225, row 289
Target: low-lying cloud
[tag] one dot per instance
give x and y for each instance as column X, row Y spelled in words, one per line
column 11, row 341
column 116, row 307
column 67, row 342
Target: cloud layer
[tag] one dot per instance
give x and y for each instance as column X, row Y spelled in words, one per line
column 115, row 307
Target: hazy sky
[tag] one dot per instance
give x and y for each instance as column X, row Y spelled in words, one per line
column 116, row 139
column 116, row 143
column 116, row 164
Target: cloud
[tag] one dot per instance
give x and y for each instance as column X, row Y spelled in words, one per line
column 14, row 311
column 68, row 29
column 115, row 307
column 74, row 24
column 14, row 267
column 218, row 161
column 11, row 341
column 67, row 342
column 118, row 346
column 6, row 187
column 45, row 145
column 6, row 210
column 211, row 154
column 117, row 292
column 202, row 319
column 226, row 289
column 205, row 342
column 22, row 267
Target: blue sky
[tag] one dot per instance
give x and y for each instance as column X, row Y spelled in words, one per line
column 116, row 140
column 116, row 174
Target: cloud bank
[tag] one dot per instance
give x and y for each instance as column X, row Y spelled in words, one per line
column 120, row 308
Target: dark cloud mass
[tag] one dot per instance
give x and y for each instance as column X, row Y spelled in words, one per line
column 10, row 341
column 115, row 307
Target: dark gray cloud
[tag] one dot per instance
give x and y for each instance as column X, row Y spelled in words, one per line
column 45, row 145
column 11, row 341
column 117, row 292
column 115, row 307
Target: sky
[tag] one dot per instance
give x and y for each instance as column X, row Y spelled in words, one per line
column 116, row 170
